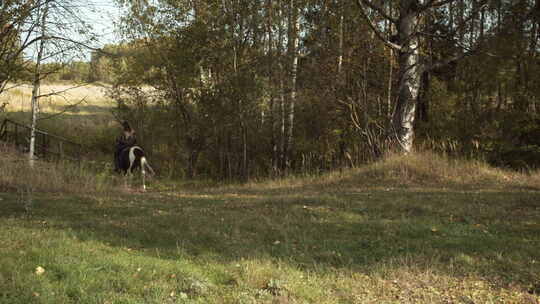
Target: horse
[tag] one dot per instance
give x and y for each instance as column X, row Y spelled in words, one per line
column 131, row 158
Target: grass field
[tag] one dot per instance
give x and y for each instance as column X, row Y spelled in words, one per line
column 417, row 229
column 81, row 114
column 71, row 98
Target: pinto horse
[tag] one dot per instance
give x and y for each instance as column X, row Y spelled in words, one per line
column 132, row 158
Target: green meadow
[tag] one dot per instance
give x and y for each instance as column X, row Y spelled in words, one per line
column 455, row 232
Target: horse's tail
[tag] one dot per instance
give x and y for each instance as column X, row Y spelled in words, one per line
column 144, row 163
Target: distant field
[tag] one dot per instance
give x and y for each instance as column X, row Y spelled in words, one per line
column 81, row 114
column 81, row 100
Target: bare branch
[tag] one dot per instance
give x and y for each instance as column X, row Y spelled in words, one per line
column 435, row 3
column 67, row 108
column 83, row 45
column 379, row 10
column 468, row 50
column 62, row 91
column 375, row 29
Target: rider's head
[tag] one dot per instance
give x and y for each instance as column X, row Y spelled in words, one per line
column 128, row 131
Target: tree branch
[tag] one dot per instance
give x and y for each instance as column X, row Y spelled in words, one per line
column 379, row 10
column 62, row 91
column 435, row 3
column 442, row 63
column 67, row 108
column 375, row 29
column 83, row 45
column 468, row 50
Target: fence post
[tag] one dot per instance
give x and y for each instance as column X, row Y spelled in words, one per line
column 61, row 147
column 16, row 136
column 44, row 147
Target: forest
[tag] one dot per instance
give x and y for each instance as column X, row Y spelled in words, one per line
column 236, row 89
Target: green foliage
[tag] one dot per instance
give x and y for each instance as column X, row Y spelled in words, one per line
column 210, row 86
column 75, row 71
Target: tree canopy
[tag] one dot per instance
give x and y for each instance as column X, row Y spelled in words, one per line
column 238, row 88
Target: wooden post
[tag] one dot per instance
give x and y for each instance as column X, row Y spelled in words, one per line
column 43, row 149
column 16, row 136
column 61, row 149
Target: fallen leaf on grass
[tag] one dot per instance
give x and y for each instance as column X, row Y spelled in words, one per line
column 40, row 270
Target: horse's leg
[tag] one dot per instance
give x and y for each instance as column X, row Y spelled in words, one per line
column 129, row 171
column 143, row 173
column 126, row 177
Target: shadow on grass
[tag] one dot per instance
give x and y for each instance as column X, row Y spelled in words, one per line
column 492, row 234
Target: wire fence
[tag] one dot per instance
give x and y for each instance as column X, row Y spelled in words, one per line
column 47, row 146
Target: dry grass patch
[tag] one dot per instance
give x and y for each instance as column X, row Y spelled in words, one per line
column 65, row 177
column 432, row 170
column 420, row 170
column 92, row 97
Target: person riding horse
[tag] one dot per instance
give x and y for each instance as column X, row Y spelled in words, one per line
column 125, row 140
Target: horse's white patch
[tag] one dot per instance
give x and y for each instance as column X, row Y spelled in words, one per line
column 132, row 159
column 132, row 156
column 142, row 162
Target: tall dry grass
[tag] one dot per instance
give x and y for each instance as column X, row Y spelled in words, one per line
column 432, row 169
column 60, row 177
column 421, row 169
column 63, row 97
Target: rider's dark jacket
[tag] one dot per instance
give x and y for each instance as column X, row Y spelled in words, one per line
column 123, row 142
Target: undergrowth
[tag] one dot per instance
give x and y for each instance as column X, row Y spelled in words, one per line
column 62, row 177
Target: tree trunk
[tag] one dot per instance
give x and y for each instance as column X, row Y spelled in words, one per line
column 409, row 76
column 271, row 112
column 423, row 101
column 293, row 55
column 341, row 32
column 192, row 164
column 36, row 88
column 281, row 76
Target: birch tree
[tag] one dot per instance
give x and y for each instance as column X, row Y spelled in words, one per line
column 42, row 20
column 292, row 55
column 58, row 34
column 408, row 19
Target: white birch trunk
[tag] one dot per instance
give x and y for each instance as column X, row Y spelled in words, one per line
column 36, row 89
column 409, row 76
column 272, row 111
column 293, row 51
column 341, row 30
column 281, row 75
